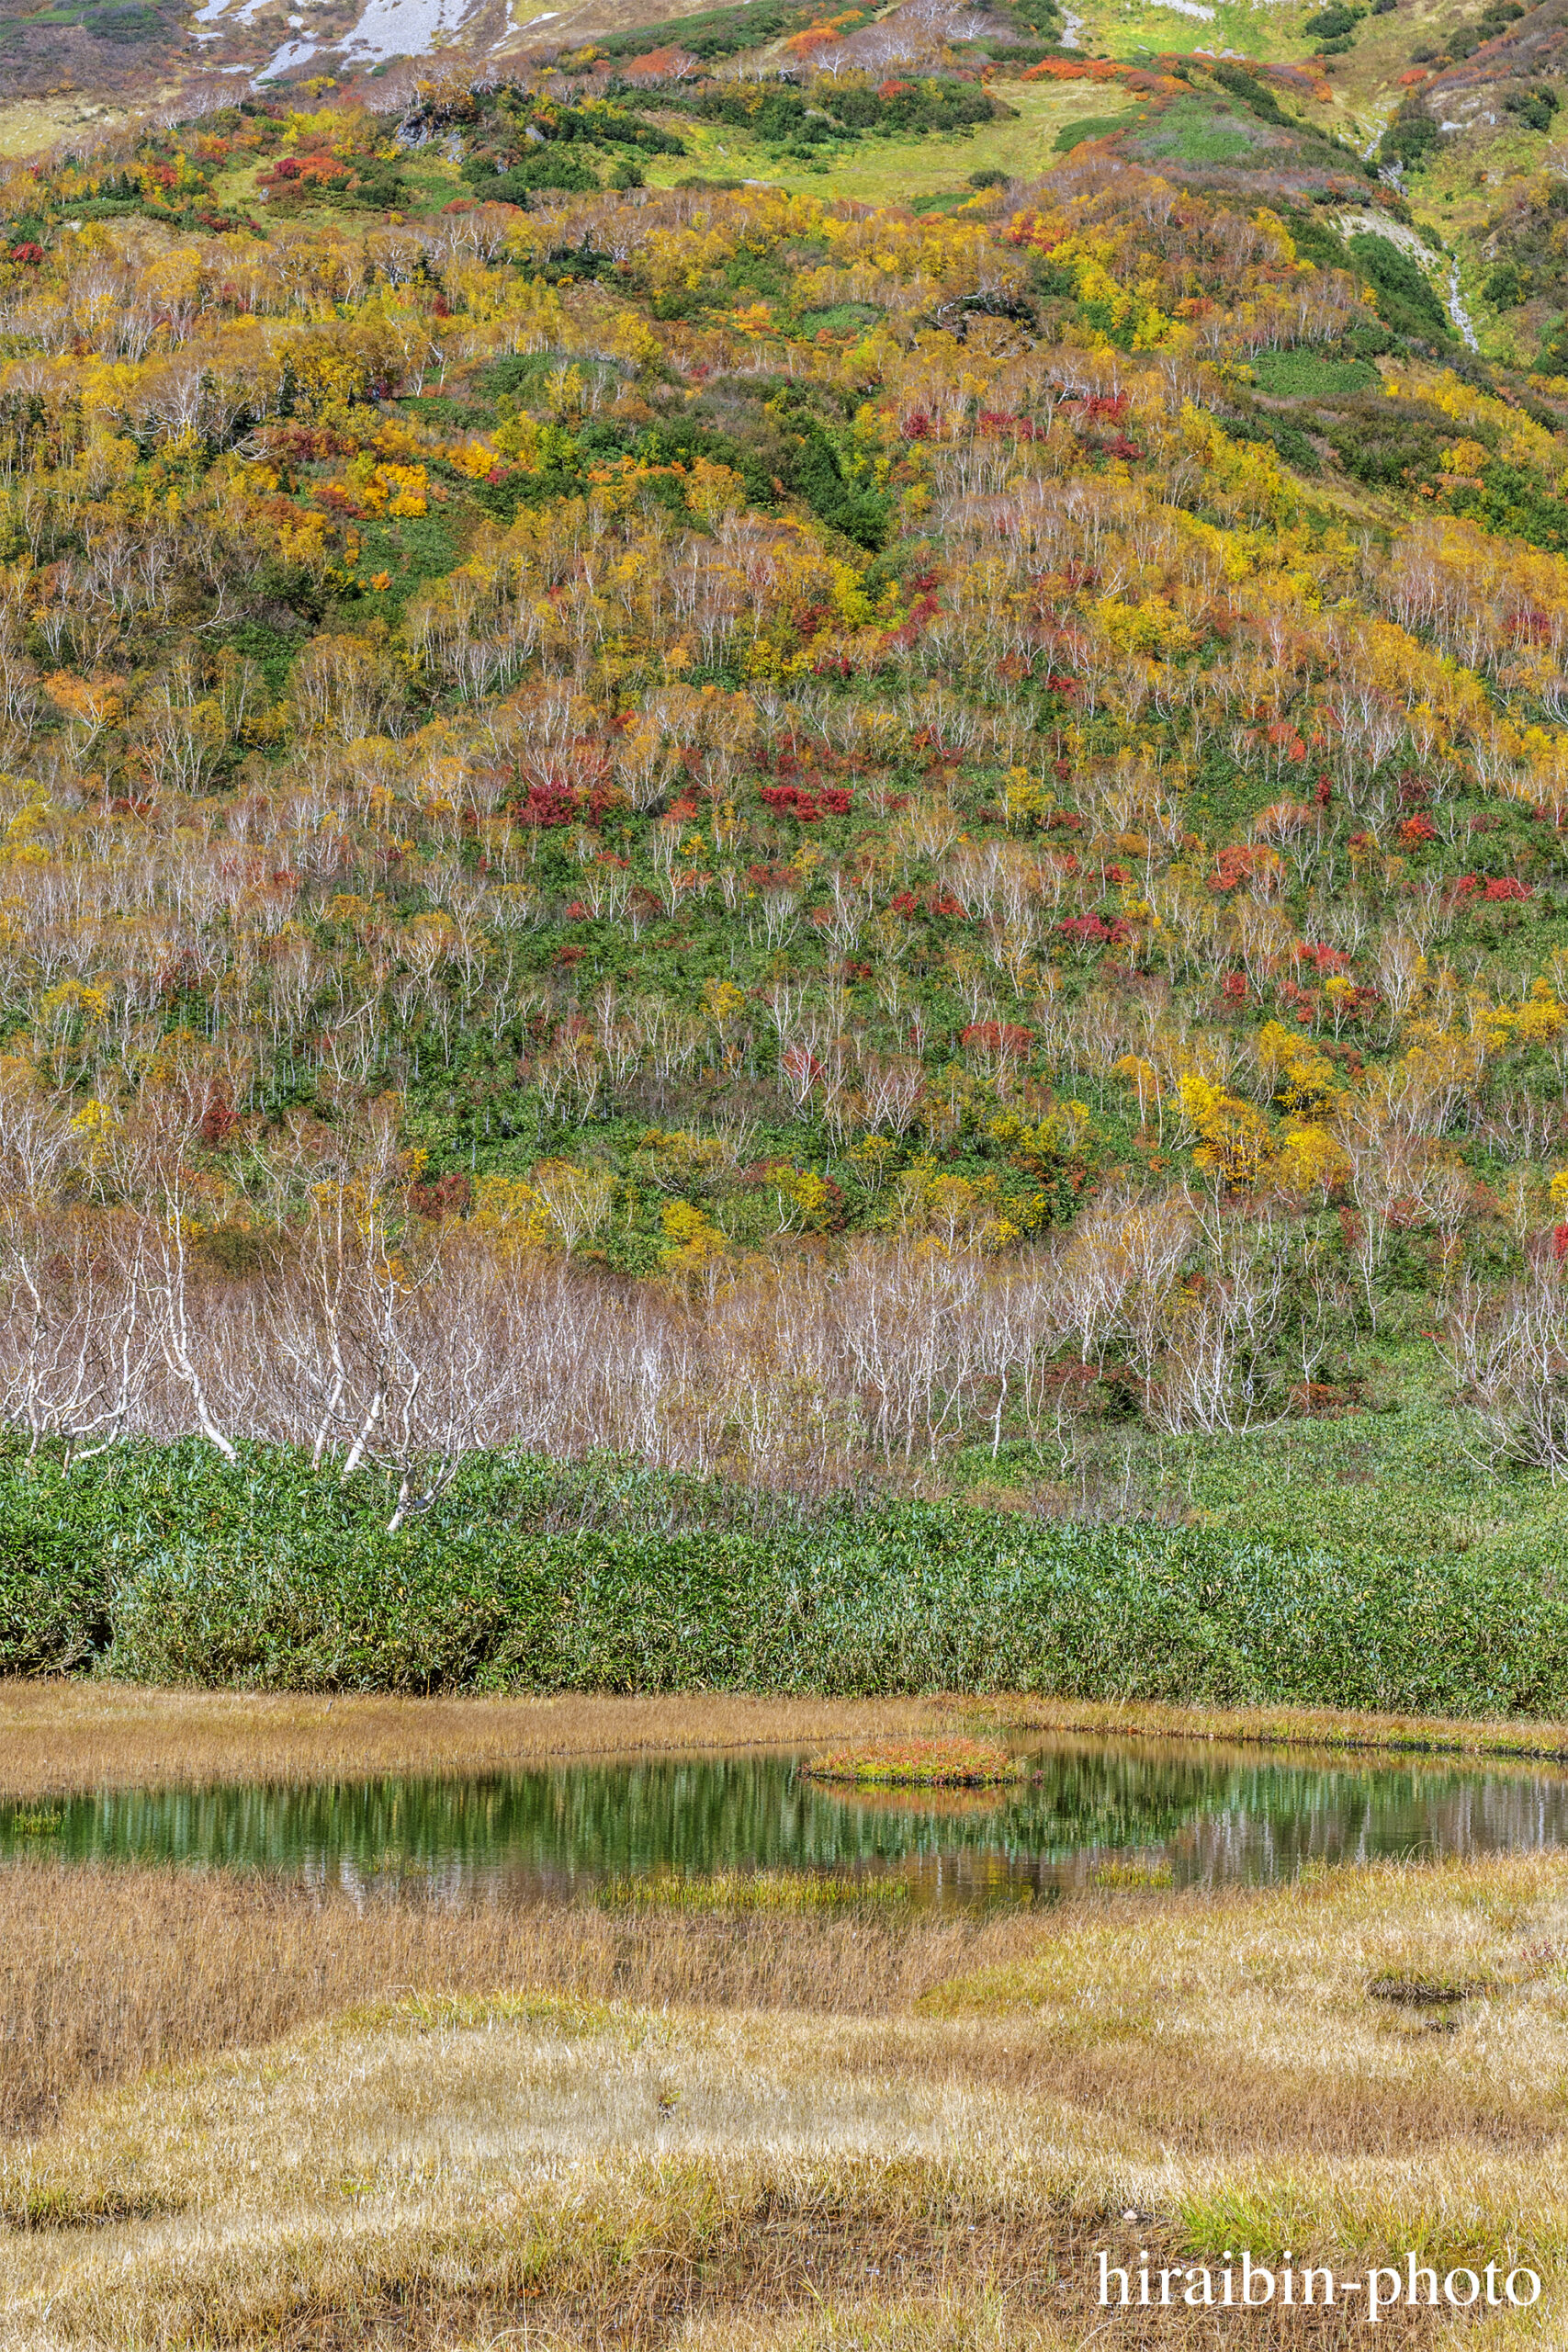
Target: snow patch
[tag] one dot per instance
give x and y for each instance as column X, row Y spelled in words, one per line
column 404, row 28
column 211, row 10
column 292, row 54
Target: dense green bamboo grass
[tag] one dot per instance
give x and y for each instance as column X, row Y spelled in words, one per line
column 162, row 1564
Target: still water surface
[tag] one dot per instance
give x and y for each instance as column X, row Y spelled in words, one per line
column 1207, row 1814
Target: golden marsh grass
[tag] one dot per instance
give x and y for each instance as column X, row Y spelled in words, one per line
column 920, row 1764
column 60, row 1736
column 733, row 2113
column 107, row 1972
column 768, row 2130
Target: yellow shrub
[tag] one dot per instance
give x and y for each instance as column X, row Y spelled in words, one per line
column 1310, row 1159
column 473, row 459
column 691, row 1237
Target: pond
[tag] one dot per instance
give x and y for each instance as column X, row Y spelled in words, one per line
column 1122, row 1811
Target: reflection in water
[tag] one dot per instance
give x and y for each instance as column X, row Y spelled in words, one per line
column 1213, row 1815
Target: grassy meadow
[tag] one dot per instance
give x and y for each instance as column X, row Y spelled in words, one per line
column 235, row 2110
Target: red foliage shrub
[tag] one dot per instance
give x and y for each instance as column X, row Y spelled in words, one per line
column 448, row 1196
column 789, row 800
column 306, row 171
column 218, row 1120
column 547, row 805
column 1000, row 1036
column 1235, row 863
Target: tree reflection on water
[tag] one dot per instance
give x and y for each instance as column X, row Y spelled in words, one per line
column 1215, row 1816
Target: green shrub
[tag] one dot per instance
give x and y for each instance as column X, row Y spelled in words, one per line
column 1410, row 137
column 1511, row 499
column 160, row 1564
column 1536, row 106
column 1389, row 441
column 1331, row 23
column 1405, row 299
column 55, row 1584
column 549, row 166
column 1247, row 87
column 1288, row 440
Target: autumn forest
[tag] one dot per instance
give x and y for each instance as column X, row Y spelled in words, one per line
column 838, row 847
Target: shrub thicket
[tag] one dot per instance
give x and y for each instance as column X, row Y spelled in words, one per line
column 160, row 1563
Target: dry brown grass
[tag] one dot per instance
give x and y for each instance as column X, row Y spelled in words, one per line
column 779, row 2132
column 60, row 1736
column 1325, row 1728
column 265, row 2115
column 105, row 1973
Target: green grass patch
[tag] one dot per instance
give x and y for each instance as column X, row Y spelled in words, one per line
column 1306, row 375
column 1145, row 31
column 1192, row 133
column 1094, row 126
